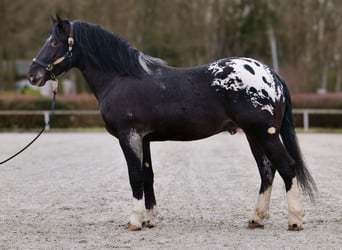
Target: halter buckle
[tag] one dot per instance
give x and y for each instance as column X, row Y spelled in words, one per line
column 71, row 43
column 49, row 67
column 53, row 76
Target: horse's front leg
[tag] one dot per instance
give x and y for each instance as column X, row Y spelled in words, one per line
column 150, row 200
column 131, row 145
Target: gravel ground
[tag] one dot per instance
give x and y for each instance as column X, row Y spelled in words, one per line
column 71, row 191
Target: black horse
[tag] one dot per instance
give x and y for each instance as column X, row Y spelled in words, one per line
column 142, row 99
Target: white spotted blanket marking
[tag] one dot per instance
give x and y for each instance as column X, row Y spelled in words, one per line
column 251, row 76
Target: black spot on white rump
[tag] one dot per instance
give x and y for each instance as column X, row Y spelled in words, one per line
column 265, row 81
column 225, row 72
column 257, row 64
column 249, row 69
column 264, row 92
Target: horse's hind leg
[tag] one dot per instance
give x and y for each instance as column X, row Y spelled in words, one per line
column 267, row 174
column 150, row 200
column 283, row 163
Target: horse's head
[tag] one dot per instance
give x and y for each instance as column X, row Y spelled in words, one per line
column 55, row 57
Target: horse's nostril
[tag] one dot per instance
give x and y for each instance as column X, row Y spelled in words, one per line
column 30, row 77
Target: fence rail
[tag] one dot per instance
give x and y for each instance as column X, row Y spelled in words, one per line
column 47, row 113
column 305, row 112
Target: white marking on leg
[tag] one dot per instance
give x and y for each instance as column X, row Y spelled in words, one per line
column 296, row 210
column 137, row 216
column 130, row 115
column 147, row 165
column 271, row 130
column 150, row 216
column 135, row 141
column 262, row 208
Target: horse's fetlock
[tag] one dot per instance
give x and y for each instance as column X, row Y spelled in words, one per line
column 150, row 216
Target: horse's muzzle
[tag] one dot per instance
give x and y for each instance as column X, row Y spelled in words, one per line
column 37, row 79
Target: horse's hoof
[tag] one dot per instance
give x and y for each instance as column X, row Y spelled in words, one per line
column 295, row 227
column 148, row 224
column 133, row 228
column 252, row 224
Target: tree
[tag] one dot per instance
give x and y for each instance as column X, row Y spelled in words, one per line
column 192, row 32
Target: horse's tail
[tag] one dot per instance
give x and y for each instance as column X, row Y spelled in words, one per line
column 288, row 135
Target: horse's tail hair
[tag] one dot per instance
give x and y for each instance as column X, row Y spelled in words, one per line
column 289, row 138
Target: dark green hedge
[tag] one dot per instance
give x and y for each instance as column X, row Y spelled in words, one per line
column 26, row 102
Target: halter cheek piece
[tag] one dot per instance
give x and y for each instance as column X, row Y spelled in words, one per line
column 68, row 55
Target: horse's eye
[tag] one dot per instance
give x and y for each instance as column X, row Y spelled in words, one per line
column 53, row 44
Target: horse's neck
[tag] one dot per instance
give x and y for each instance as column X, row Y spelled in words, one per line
column 99, row 82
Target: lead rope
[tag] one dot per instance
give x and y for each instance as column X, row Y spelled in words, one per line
column 47, row 123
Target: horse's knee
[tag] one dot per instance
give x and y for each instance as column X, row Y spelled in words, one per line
column 148, row 174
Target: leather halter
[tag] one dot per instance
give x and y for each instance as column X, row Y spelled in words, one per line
column 49, row 66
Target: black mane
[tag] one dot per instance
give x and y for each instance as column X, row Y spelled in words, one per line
column 108, row 51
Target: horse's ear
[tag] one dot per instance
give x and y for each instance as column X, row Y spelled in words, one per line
column 53, row 20
column 64, row 24
column 59, row 19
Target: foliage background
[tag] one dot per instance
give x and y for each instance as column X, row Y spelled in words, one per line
column 185, row 33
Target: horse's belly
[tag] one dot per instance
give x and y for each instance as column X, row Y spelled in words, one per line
column 191, row 130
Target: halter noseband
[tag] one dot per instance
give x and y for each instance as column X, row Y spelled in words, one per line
column 49, row 66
